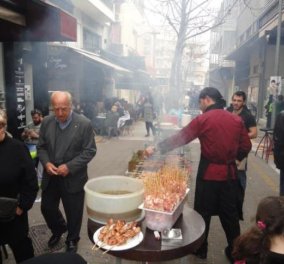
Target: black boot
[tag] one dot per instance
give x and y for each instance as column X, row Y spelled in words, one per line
column 202, row 251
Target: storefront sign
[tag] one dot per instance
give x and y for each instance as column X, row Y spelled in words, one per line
column 20, row 93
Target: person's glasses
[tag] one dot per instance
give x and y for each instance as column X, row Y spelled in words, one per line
column 2, row 125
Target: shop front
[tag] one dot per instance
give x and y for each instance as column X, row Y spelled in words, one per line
column 25, row 26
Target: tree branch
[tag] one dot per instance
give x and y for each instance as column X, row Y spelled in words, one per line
column 172, row 25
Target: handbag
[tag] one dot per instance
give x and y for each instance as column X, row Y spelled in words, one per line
column 7, row 209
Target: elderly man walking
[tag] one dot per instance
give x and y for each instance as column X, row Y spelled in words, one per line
column 66, row 145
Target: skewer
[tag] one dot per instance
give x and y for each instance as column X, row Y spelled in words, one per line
column 100, row 246
column 108, row 249
column 94, row 246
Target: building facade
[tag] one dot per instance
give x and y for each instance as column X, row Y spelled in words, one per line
column 253, row 49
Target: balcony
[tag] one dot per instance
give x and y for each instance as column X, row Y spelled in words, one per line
column 96, row 9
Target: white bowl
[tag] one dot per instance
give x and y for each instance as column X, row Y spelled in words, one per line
column 116, row 197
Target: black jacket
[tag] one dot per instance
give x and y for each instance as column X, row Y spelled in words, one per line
column 17, row 173
column 278, row 138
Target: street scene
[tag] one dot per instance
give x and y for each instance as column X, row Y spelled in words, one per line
column 263, row 180
column 136, row 131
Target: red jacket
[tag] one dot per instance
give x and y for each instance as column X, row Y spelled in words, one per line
column 223, row 138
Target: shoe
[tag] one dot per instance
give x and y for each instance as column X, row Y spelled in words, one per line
column 71, row 246
column 229, row 254
column 202, row 251
column 147, row 135
column 53, row 241
column 201, row 255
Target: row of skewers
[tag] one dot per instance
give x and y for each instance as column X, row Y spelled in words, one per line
column 157, row 162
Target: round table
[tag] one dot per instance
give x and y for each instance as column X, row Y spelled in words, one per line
column 150, row 249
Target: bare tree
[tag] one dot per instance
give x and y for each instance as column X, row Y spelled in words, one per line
column 187, row 18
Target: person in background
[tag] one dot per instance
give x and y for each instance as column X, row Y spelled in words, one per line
column 119, row 108
column 278, row 139
column 17, row 181
column 30, row 134
column 239, row 108
column 273, row 89
column 66, row 146
column 268, row 107
column 224, row 139
column 111, row 121
column 149, row 117
column 122, row 120
column 263, row 243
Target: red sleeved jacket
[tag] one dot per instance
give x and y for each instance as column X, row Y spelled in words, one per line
column 223, row 138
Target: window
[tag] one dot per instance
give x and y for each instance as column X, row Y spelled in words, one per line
column 91, row 41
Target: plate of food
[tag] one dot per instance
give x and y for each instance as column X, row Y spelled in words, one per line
column 118, row 235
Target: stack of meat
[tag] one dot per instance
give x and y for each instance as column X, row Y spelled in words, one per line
column 118, row 232
column 165, row 189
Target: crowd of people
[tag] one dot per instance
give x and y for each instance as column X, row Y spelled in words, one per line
column 65, row 143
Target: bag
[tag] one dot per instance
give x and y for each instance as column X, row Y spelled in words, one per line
column 7, row 209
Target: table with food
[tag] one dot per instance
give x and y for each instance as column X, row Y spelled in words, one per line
column 144, row 215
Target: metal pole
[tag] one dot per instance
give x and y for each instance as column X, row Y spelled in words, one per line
column 277, row 54
column 278, row 40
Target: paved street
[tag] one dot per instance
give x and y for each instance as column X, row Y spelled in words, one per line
column 112, row 158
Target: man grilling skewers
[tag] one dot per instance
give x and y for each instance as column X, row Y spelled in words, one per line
column 224, row 139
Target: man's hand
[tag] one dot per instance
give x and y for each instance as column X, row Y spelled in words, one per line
column 33, row 134
column 63, row 170
column 150, row 150
column 19, row 211
column 51, row 169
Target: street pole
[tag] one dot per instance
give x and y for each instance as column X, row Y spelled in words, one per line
column 277, row 54
column 278, row 40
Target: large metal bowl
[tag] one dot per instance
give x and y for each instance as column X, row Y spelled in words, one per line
column 116, row 197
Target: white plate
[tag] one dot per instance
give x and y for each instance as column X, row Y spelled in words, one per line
column 132, row 242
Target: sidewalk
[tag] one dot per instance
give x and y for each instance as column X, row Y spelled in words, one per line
column 112, row 158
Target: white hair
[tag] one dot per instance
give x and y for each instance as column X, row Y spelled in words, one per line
column 3, row 116
column 66, row 93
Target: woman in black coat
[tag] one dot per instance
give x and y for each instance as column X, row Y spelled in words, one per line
column 17, row 180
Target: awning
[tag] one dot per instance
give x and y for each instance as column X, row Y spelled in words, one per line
column 34, row 20
column 242, row 52
column 94, row 57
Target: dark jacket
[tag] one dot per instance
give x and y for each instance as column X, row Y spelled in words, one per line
column 278, row 138
column 17, row 173
column 79, row 149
